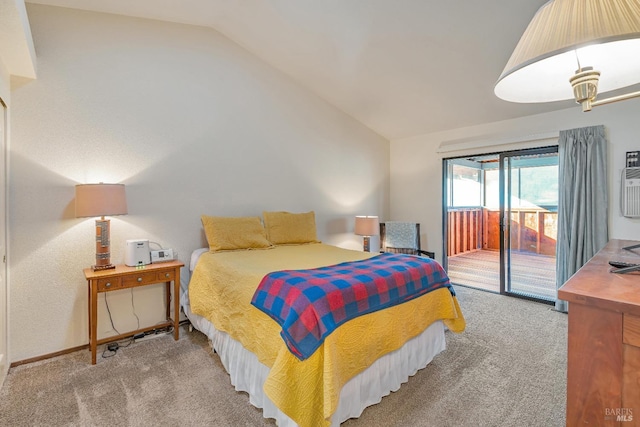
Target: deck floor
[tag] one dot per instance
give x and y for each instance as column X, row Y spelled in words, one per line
column 531, row 274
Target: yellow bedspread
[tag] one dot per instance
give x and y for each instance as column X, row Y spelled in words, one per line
column 307, row 391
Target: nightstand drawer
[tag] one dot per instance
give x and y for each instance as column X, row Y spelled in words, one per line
column 109, row 283
column 166, row 276
column 141, row 278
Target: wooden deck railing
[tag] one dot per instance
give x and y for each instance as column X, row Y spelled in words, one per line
column 464, row 232
column 534, row 231
column 470, row 229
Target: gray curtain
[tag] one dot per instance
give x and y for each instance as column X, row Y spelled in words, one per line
column 582, row 202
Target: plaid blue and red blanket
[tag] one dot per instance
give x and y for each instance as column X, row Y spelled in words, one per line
column 310, row 304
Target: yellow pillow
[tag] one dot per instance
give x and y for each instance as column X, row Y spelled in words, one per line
column 233, row 233
column 285, row 228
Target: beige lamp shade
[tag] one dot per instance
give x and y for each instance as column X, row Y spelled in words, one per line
column 367, row 226
column 94, row 200
column 570, row 35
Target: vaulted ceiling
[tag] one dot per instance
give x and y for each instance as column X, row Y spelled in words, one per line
column 401, row 67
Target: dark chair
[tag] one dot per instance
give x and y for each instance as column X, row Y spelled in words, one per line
column 402, row 238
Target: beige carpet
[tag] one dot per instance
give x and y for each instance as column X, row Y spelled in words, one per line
column 507, row 369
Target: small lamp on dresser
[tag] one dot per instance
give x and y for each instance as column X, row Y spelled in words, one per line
column 100, row 200
column 367, row 226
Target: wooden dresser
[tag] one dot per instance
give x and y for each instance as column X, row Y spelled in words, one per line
column 603, row 360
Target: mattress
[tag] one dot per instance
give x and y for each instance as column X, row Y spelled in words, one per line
column 367, row 388
column 359, row 363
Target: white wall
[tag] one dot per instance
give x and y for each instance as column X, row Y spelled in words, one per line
column 4, row 83
column 4, row 287
column 192, row 124
column 416, row 167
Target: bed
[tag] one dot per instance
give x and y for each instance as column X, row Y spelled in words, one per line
column 354, row 366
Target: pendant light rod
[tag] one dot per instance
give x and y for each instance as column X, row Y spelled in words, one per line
column 612, row 100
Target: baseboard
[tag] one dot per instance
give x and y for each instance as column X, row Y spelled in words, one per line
column 71, row 350
column 48, row 356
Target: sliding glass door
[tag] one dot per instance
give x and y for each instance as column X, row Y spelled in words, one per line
column 528, row 214
column 471, row 218
column 500, row 216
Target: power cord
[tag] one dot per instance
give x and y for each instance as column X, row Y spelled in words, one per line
column 156, row 243
column 113, row 347
column 133, row 307
column 106, row 301
column 157, row 331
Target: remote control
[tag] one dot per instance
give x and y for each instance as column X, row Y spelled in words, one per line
column 620, row 264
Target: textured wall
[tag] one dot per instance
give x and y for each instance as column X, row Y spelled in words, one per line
column 4, row 318
column 416, row 170
column 192, row 124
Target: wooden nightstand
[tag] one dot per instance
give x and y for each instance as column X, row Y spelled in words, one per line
column 124, row 277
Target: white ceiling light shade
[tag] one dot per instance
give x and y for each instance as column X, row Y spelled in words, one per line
column 595, row 43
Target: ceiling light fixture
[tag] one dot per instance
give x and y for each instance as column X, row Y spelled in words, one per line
column 598, row 41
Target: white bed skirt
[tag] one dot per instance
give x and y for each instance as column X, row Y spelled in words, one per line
column 365, row 389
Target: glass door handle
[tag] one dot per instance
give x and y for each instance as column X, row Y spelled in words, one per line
column 504, row 223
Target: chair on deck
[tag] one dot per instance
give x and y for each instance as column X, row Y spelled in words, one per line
column 402, row 237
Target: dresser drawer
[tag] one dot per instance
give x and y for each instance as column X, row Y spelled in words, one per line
column 109, row 283
column 166, row 276
column 140, row 278
column 631, row 330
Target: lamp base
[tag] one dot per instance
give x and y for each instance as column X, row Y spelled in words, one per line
column 366, row 244
column 103, row 256
column 102, row 267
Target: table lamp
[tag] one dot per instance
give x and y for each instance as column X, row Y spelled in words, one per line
column 367, row 226
column 100, row 200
